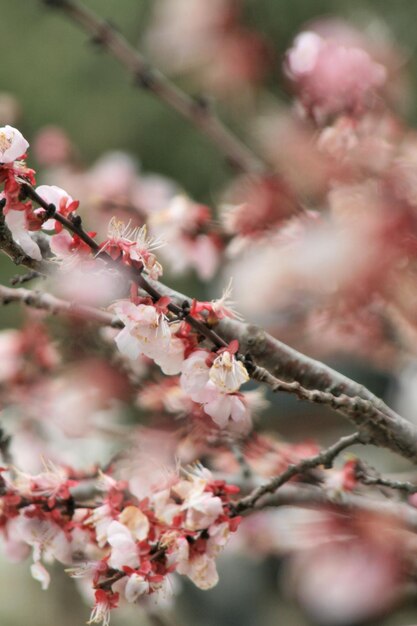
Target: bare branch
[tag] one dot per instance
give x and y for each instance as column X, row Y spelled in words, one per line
column 201, row 116
column 307, row 496
column 325, row 457
column 369, row 476
column 384, row 430
column 19, row 279
column 288, row 364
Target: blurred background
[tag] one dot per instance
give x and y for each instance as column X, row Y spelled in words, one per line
column 51, row 75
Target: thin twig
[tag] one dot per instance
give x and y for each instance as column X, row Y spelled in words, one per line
column 369, row 476
column 325, row 457
column 311, row 496
column 151, row 79
column 20, row 279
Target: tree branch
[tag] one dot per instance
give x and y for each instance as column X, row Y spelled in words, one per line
column 314, row 381
column 307, row 496
column 369, row 476
column 325, row 457
column 383, row 429
column 151, row 79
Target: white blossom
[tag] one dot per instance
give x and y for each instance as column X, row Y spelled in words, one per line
column 227, row 373
column 12, row 144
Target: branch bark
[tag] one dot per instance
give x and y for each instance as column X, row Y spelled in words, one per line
column 306, row 496
column 325, row 457
column 199, row 114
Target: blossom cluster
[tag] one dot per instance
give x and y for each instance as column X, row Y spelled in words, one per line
column 125, row 546
column 211, row 379
column 322, row 249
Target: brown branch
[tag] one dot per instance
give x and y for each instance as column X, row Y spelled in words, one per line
column 307, row 496
column 384, row 430
column 288, row 364
column 74, row 225
column 314, row 381
column 325, row 457
column 369, row 476
column 151, row 79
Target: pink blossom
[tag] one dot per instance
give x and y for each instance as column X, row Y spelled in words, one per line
column 136, row 521
column 146, row 330
column 132, row 245
column 54, row 195
column 223, row 407
column 195, row 375
column 104, row 602
column 171, row 361
column 202, row 571
column 330, row 76
column 10, row 354
column 52, row 146
column 183, row 226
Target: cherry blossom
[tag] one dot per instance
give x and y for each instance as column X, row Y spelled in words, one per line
column 228, row 374
column 18, row 225
column 133, row 246
column 62, row 201
column 136, row 587
column 332, row 77
column 105, row 601
column 146, row 330
column 12, row 144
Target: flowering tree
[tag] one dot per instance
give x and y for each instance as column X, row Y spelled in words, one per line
column 319, row 231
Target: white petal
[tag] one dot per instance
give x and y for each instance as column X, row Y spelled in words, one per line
column 12, row 144
column 16, row 222
column 128, row 345
column 40, row 573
